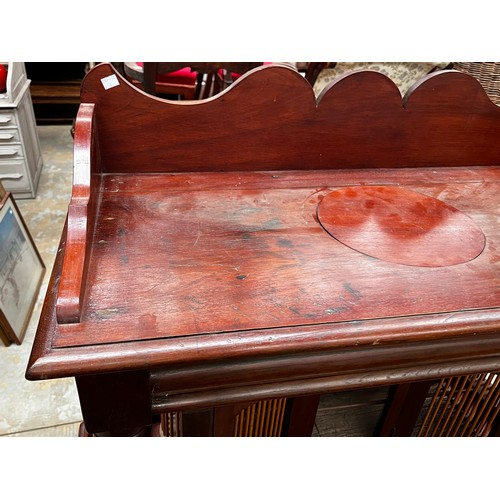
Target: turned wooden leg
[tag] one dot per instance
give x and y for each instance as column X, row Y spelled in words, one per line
column 115, row 404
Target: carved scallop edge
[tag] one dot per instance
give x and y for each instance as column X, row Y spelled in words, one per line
column 419, row 85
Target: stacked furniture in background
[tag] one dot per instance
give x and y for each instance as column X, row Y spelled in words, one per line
column 55, row 90
column 188, row 80
column 20, row 155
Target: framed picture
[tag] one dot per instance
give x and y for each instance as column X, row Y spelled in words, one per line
column 21, row 273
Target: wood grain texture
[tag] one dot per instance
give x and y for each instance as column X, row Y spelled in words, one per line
column 81, row 217
column 207, row 267
column 269, row 120
column 202, row 260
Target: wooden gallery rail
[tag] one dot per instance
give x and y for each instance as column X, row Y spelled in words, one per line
column 228, row 260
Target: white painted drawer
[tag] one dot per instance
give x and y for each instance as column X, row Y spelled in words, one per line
column 9, row 152
column 7, row 119
column 8, row 136
column 13, row 176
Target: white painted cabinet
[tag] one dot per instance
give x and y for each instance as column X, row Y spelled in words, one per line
column 20, row 154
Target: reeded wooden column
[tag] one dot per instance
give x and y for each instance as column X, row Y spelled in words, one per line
column 266, row 418
column 463, row 406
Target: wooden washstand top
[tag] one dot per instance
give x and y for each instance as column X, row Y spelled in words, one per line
column 225, row 229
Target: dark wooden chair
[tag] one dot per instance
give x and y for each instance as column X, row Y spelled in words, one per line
column 177, row 79
column 313, row 69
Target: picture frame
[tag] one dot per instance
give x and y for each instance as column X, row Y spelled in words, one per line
column 21, row 273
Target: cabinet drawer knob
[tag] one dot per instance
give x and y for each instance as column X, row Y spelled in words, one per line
column 6, row 137
column 5, row 119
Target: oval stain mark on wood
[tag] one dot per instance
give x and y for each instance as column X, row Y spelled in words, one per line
column 400, row 226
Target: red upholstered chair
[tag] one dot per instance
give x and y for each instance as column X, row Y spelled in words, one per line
column 176, row 80
column 190, row 80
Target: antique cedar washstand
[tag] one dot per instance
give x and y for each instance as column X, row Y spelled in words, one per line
column 204, row 266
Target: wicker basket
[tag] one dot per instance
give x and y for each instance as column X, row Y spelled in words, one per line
column 487, row 73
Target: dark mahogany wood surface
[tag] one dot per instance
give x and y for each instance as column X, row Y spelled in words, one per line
column 81, row 214
column 269, row 120
column 195, row 238
column 178, row 261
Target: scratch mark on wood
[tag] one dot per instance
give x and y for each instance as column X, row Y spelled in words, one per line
column 355, row 293
column 197, row 238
